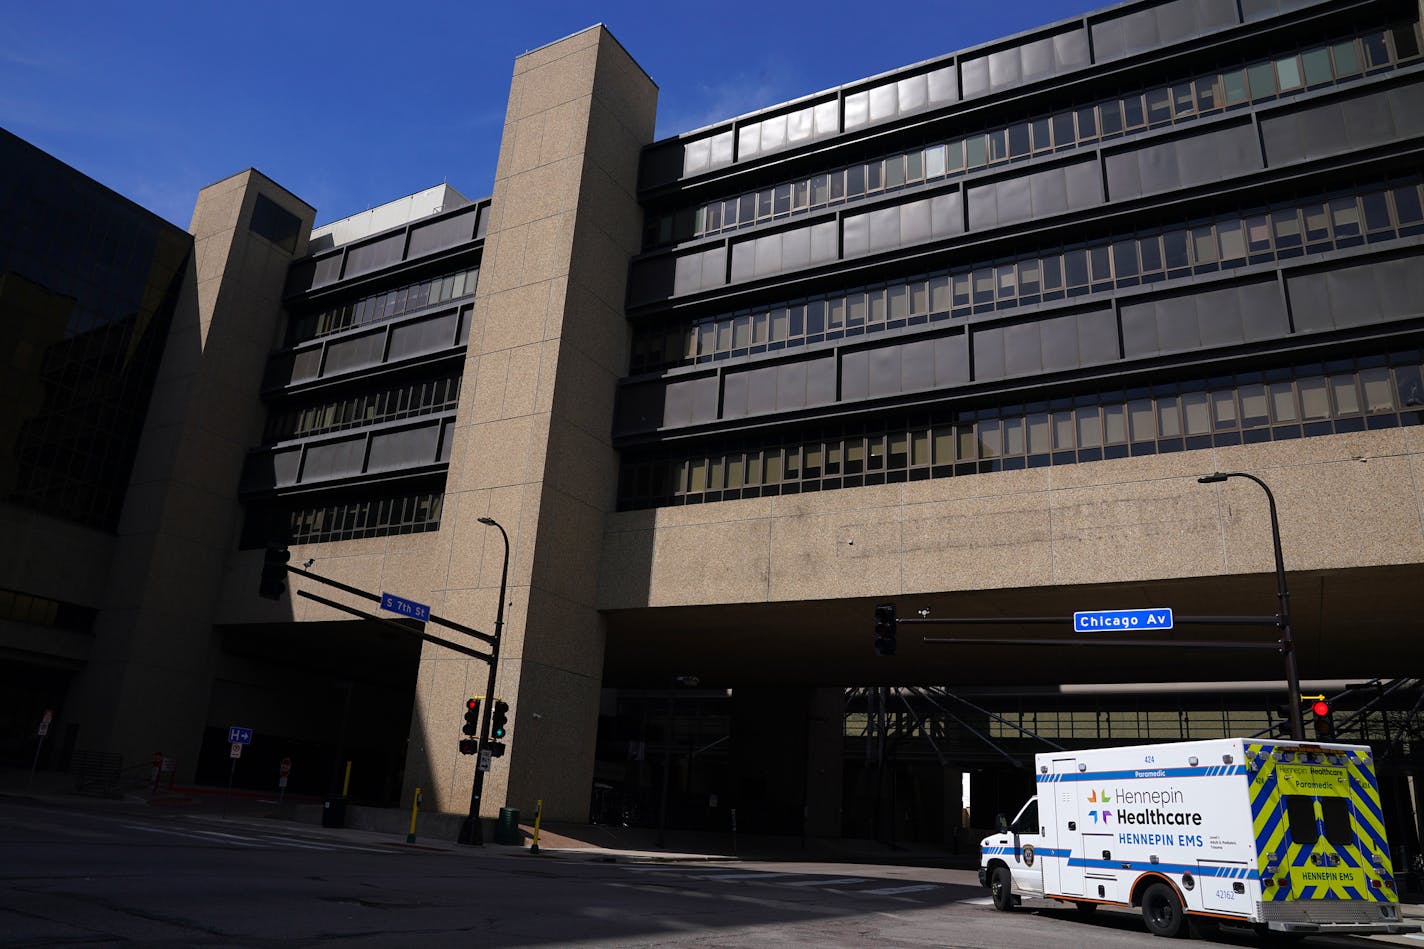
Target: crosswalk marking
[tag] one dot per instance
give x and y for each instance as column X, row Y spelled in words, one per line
column 280, row 841
column 831, row 884
column 892, row 890
column 977, row 901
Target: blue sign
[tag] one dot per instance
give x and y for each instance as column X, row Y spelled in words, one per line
column 239, row 736
column 410, row 608
column 1099, row 621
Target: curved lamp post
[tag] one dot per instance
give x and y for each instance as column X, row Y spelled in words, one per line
column 471, row 832
column 1283, row 616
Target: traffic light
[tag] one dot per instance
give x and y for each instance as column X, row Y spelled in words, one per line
column 885, row 629
column 1324, row 724
column 274, row 573
column 471, row 744
column 501, row 719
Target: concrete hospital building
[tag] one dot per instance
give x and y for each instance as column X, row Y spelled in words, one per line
column 960, row 337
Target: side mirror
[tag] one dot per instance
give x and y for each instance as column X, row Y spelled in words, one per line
column 1001, row 823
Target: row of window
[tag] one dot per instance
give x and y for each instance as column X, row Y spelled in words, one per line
column 1278, row 232
column 404, row 514
column 17, row 607
column 1160, row 106
column 387, row 305
column 1316, row 399
column 367, row 408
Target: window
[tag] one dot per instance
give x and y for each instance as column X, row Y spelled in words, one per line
column 1262, row 80
column 1288, row 73
column 1234, row 87
column 1300, row 819
column 1159, row 107
column 1317, row 66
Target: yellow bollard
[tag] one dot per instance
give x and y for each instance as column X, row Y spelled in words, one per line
column 414, row 810
column 538, row 812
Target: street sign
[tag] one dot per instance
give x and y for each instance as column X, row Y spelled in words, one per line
column 239, row 736
column 286, row 767
column 1099, row 621
column 409, row 608
column 236, row 751
column 484, row 764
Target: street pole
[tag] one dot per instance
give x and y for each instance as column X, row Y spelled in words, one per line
column 1282, row 595
column 471, row 832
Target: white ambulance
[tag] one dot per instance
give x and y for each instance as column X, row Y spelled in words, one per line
column 1281, row 836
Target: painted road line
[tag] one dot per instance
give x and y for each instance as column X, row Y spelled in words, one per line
column 891, row 890
column 977, row 901
column 190, row 835
column 824, row 881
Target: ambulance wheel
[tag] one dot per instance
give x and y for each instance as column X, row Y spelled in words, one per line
column 1001, row 887
column 1162, row 911
column 1085, row 908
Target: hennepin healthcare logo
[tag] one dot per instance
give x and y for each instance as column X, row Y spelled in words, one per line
column 1153, row 803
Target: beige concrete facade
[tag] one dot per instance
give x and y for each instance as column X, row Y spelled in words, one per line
column 147, row 682
column 1132, row 533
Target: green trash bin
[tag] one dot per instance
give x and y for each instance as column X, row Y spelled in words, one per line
column 506, row 831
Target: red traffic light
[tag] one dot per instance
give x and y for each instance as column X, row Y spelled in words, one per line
column 472, row 703
column 1320, row 708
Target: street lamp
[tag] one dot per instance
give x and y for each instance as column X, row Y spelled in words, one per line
column 1282, row 617
column 470, row 831
column 689, row 682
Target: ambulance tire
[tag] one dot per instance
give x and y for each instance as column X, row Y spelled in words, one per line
column 1162, row 912
column 1001, row 887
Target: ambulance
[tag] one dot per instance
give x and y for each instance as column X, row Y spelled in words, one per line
column 1280, row 836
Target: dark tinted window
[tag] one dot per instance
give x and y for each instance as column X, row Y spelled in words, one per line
column 1300, row 817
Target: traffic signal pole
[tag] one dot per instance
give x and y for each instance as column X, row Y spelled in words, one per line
column 276, row 566
column 470, row 831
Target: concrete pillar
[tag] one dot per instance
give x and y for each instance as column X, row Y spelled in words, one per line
column 825, row 764
column 147, row 683
column 533, row 449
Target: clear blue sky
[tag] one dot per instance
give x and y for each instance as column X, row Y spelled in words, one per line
column 352, row 104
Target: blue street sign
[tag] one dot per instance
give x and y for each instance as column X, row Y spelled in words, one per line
column 1098, row 621
column 239, row 736
column 410, row 608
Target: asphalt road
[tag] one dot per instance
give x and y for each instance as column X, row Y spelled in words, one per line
column 95, row 876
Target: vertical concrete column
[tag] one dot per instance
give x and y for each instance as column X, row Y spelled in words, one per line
column 825, row 762
column 533, row 448
column 147, row 685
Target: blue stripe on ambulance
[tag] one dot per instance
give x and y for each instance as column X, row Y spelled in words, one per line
column 1243, row 873
column 1145, row 774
